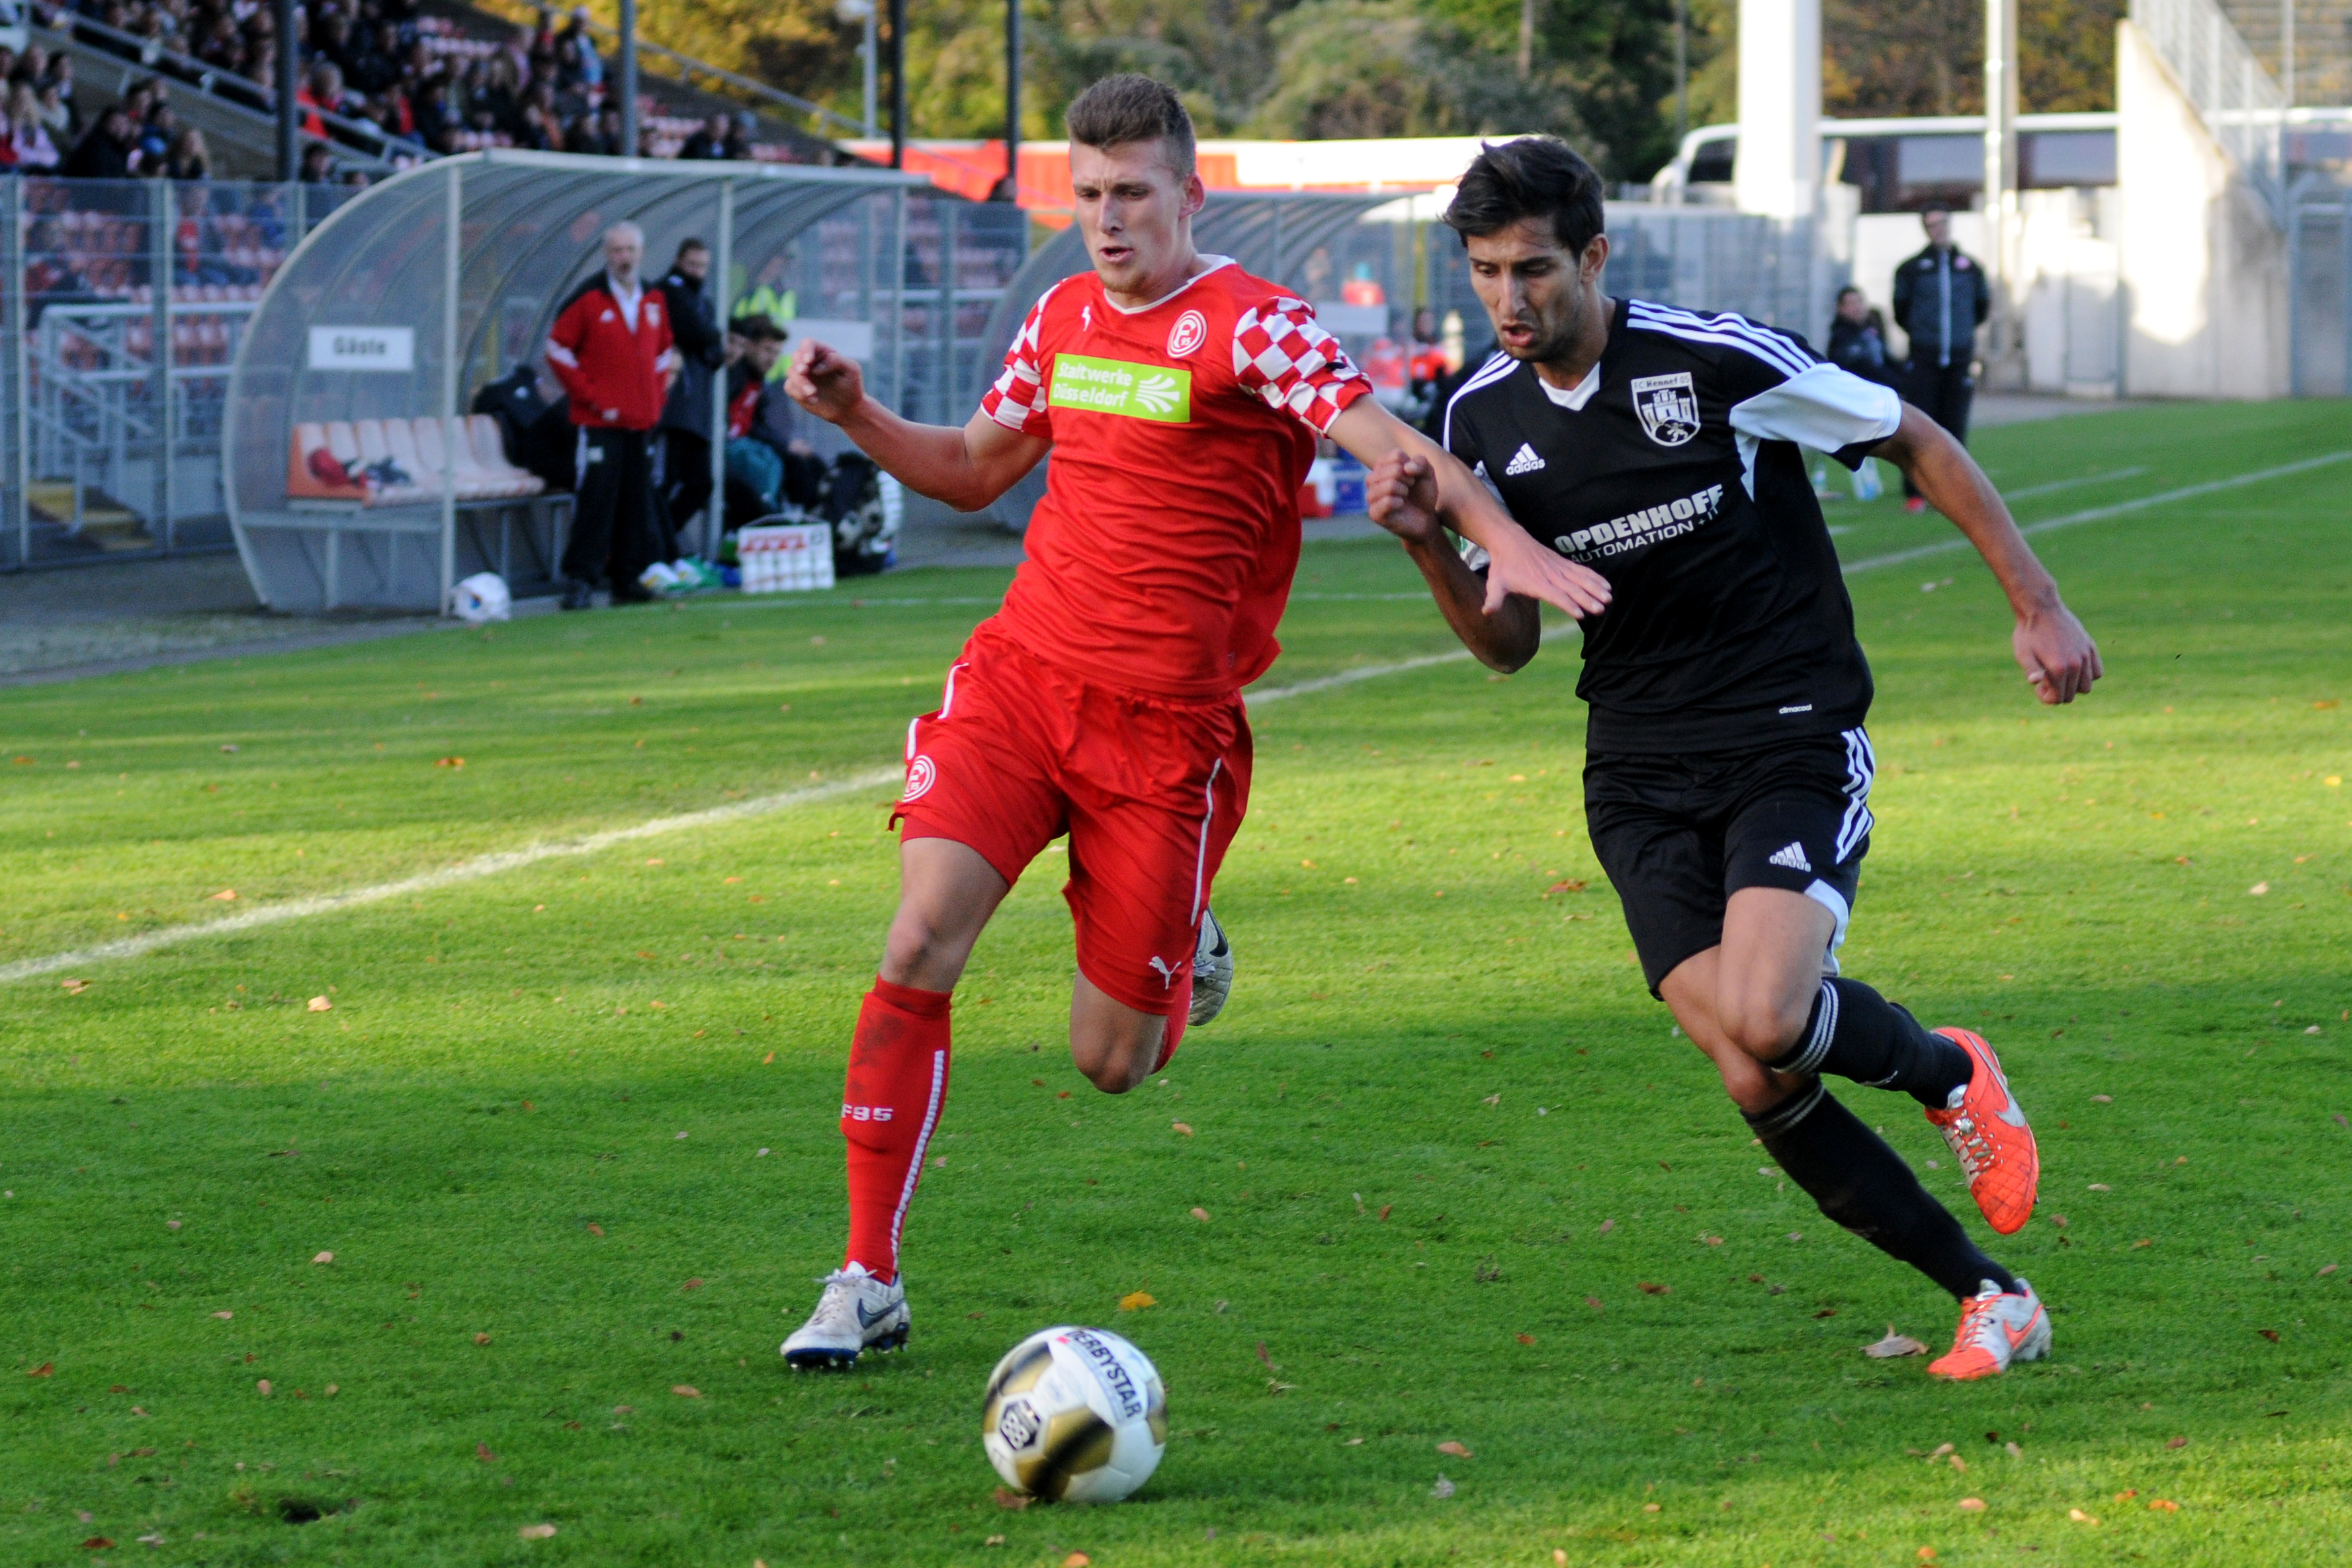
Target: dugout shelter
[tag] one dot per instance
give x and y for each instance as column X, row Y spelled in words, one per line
column 374, row 335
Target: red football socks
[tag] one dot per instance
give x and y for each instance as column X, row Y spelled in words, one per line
column 897, row 1083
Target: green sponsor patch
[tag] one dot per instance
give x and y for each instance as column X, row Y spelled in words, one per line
column 1115, row 386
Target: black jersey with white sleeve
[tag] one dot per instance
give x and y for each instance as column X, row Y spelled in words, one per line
column 1674, row 469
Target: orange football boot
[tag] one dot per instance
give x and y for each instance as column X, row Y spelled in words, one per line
column 1988, row 1136
column 1996, row 1328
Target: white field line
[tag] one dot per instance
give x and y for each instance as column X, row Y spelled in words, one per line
column 506, row 860
column 2054, row 486
column 472, row 870
column 2100, row 513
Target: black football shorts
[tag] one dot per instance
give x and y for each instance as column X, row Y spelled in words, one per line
column 1679, row 835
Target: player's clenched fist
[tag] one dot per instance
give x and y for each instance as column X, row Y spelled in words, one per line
column 826, row 382
column 1402, row 497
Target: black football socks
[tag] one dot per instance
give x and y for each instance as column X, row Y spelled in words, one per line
column 1856, row 1033
column 1866, row 1186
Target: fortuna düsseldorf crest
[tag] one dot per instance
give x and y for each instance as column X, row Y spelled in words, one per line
column 1668, row 407
column 1191, row 331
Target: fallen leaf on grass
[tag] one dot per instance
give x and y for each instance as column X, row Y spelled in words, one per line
column 47, row 1369
column 2178, row 1443
column 2162, row 1505
column 95, row 1544
column 536, row 1531
column 1649, row 1288
column 1973, row 1504
column 226, row 896
column 482, row 1452
column 2103, row 1099
column 224, row 1317
column 1594, row 1302
column 595, row 1230
column 1559, row 1557
column 993, row 1541
column 1607, row 1226
column 263, row 1388
column 1181, row 1127
column 1527, row 1339
column 1572, row 885
column 1012, row 1501
column 685, row 1391
column 324, row 1257
column 481, row 1338
column 1827, row 1312
column 74, row 987
column 2079, row 1517
column 1201, row 1214
column 2257, row 889
column 320, row 1004
column 1386, row 1207
column 1892, row 1345
column 2101, row 1187
column 2326, row 1271
column 691, row 1285
column 1078, row 1560
column 448, row 761
column 1136, row 1300
column 2270, row 1334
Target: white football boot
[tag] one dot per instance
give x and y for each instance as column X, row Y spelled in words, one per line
column 1997, row 1328
column 856, row 1313
column 1212, row 971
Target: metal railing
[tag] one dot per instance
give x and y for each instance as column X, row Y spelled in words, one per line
column 2236, row 98
column 122, row 305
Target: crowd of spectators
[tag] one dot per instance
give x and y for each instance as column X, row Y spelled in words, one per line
column 413, row 83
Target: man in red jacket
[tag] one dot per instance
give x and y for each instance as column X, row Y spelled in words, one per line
column 612, row 350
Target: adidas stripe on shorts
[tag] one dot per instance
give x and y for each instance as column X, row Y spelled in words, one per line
column 1679, row 835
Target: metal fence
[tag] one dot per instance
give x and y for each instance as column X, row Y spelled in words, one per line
column 123, row 303
column 112, row 388
column 2319, row 288
column 2239, row 103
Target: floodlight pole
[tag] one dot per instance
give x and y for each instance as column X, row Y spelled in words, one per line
column 1682, row 73
column 452, row 262
column 871, row 50
column 1010, row 190
column 897, row 84
column 2000, row 173
column 628, row 73
column 290, row 78
column 722, row 304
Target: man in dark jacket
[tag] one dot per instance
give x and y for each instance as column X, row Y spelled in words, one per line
column 1942, row 298
column 611, row 348
column 105, row 153
column 685, row 417
column 1857, row 342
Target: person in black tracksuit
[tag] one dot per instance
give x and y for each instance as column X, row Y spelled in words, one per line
column 1942, row 298
column 686, row 416
column 1728, row 769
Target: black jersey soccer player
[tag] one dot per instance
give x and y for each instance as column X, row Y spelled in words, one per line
column 1727, row 774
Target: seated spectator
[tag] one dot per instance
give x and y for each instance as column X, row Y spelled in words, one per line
column 324, row 90
column 709, row 140
column 591, row 69
column 377, row 67
column 434, row 114
column 105, row 153
column 32, row 150
column 499, row 97
column 318, row 164
column 761, row 455
column 61, row 77
column 189, row 159
column 156, row 135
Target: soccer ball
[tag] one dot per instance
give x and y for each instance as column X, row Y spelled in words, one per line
column 1075, row 1416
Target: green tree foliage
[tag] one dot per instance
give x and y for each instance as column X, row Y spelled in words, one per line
column 1599, row 72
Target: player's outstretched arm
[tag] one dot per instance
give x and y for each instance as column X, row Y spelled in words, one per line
column 2055, row 652
column 967, row 469
column 1515, row 563
column 1401, row 496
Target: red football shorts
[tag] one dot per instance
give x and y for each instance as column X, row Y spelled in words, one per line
column 1149, row 790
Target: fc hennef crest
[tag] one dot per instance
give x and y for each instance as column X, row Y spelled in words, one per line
column 1668, row 406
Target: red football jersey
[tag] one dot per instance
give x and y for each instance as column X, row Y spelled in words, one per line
column 1162, row 553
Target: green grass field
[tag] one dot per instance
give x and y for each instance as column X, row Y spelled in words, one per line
column 569, row 1131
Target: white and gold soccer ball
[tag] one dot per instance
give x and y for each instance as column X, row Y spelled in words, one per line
column 1074, row 1416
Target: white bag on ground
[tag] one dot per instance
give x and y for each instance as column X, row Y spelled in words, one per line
column 481, row 598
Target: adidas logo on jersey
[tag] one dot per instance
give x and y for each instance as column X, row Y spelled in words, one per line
column 1523, row 461
column 1792, row 856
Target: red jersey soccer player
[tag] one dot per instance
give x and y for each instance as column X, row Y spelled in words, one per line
column 1181, row 398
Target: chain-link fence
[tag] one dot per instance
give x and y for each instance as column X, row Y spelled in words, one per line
column 124, row 301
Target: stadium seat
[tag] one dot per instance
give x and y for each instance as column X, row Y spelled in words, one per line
column 468, row 449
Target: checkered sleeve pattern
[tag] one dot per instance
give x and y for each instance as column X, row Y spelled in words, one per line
column 1017, row 401
column 1286, row 356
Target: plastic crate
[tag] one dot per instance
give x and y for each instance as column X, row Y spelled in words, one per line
column 785, row 558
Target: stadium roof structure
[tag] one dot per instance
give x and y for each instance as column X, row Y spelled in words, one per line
column 1270, row 233
column 397, row 307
